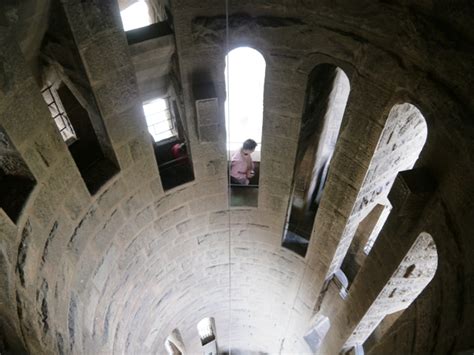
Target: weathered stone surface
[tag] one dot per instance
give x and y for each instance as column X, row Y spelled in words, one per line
column 119, row 270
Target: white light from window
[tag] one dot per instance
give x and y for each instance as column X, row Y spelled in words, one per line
column 245, row 81
column 206, row 333
column 59, row 115
column 158, row 119
column 135, row 16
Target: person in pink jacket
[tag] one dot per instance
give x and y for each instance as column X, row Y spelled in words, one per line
column 241, row 167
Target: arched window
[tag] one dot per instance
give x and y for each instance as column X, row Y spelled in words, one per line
column 327, row 93
column 414, row 273
column 135, row 16
column 245, row 78
column 399, row 146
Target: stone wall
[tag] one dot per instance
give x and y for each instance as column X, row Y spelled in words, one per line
column 117, row 271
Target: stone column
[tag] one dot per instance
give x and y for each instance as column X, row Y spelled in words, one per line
column 360, row 132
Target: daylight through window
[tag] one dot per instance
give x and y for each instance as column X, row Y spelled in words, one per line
column 135, row 16
column 158, row 119
column 245, row 73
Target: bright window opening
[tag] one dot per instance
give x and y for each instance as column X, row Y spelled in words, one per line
column 245, row 73
column 205, row 329
column 59, row 116
column 158, row 119
column 135, row 16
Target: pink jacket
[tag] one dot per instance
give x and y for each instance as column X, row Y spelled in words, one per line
column 240, row 166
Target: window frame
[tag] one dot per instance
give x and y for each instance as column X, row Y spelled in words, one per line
column 171, row 119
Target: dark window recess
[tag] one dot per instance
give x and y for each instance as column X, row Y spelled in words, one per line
column 174, row 162
column 172, row 153
column 355, row 255
column 142, row 34
column 328, row 89
column 16, row 180
column 96, row 168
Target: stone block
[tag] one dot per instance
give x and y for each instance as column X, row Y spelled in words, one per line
column 117, row 95
column 129, row 123
column 87, row 19
column 111, row 45
column 173, row 217
column 106, row 266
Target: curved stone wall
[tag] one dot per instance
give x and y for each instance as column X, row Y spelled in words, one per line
column 118, row 271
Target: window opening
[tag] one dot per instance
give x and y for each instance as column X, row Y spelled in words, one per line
column 93, row 156
column 326, row 98
column 399, row 146
column 16, row 180
column 207, row 334
column 158, row 118
column 374, row 233
column 245, row 79
column 136, row 16
column 364, row 239
column 60, row 118
column 412, row 276
column 169, row 142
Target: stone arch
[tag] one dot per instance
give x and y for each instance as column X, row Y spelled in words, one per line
column 245, row 82
column 412, row 276
column 400, row 143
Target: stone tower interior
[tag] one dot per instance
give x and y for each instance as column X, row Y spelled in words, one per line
column 354, row 236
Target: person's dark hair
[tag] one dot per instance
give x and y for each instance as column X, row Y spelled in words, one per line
column 250, row 144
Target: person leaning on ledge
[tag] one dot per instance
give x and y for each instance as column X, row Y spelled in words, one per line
column 241, row 167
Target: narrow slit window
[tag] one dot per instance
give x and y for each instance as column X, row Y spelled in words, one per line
column 169, row 142
column 207, row 334
column 16, row 180
column 93, row 155
column 364, row 238
column 245, row 79
column 326, row 97
column 58, row 114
